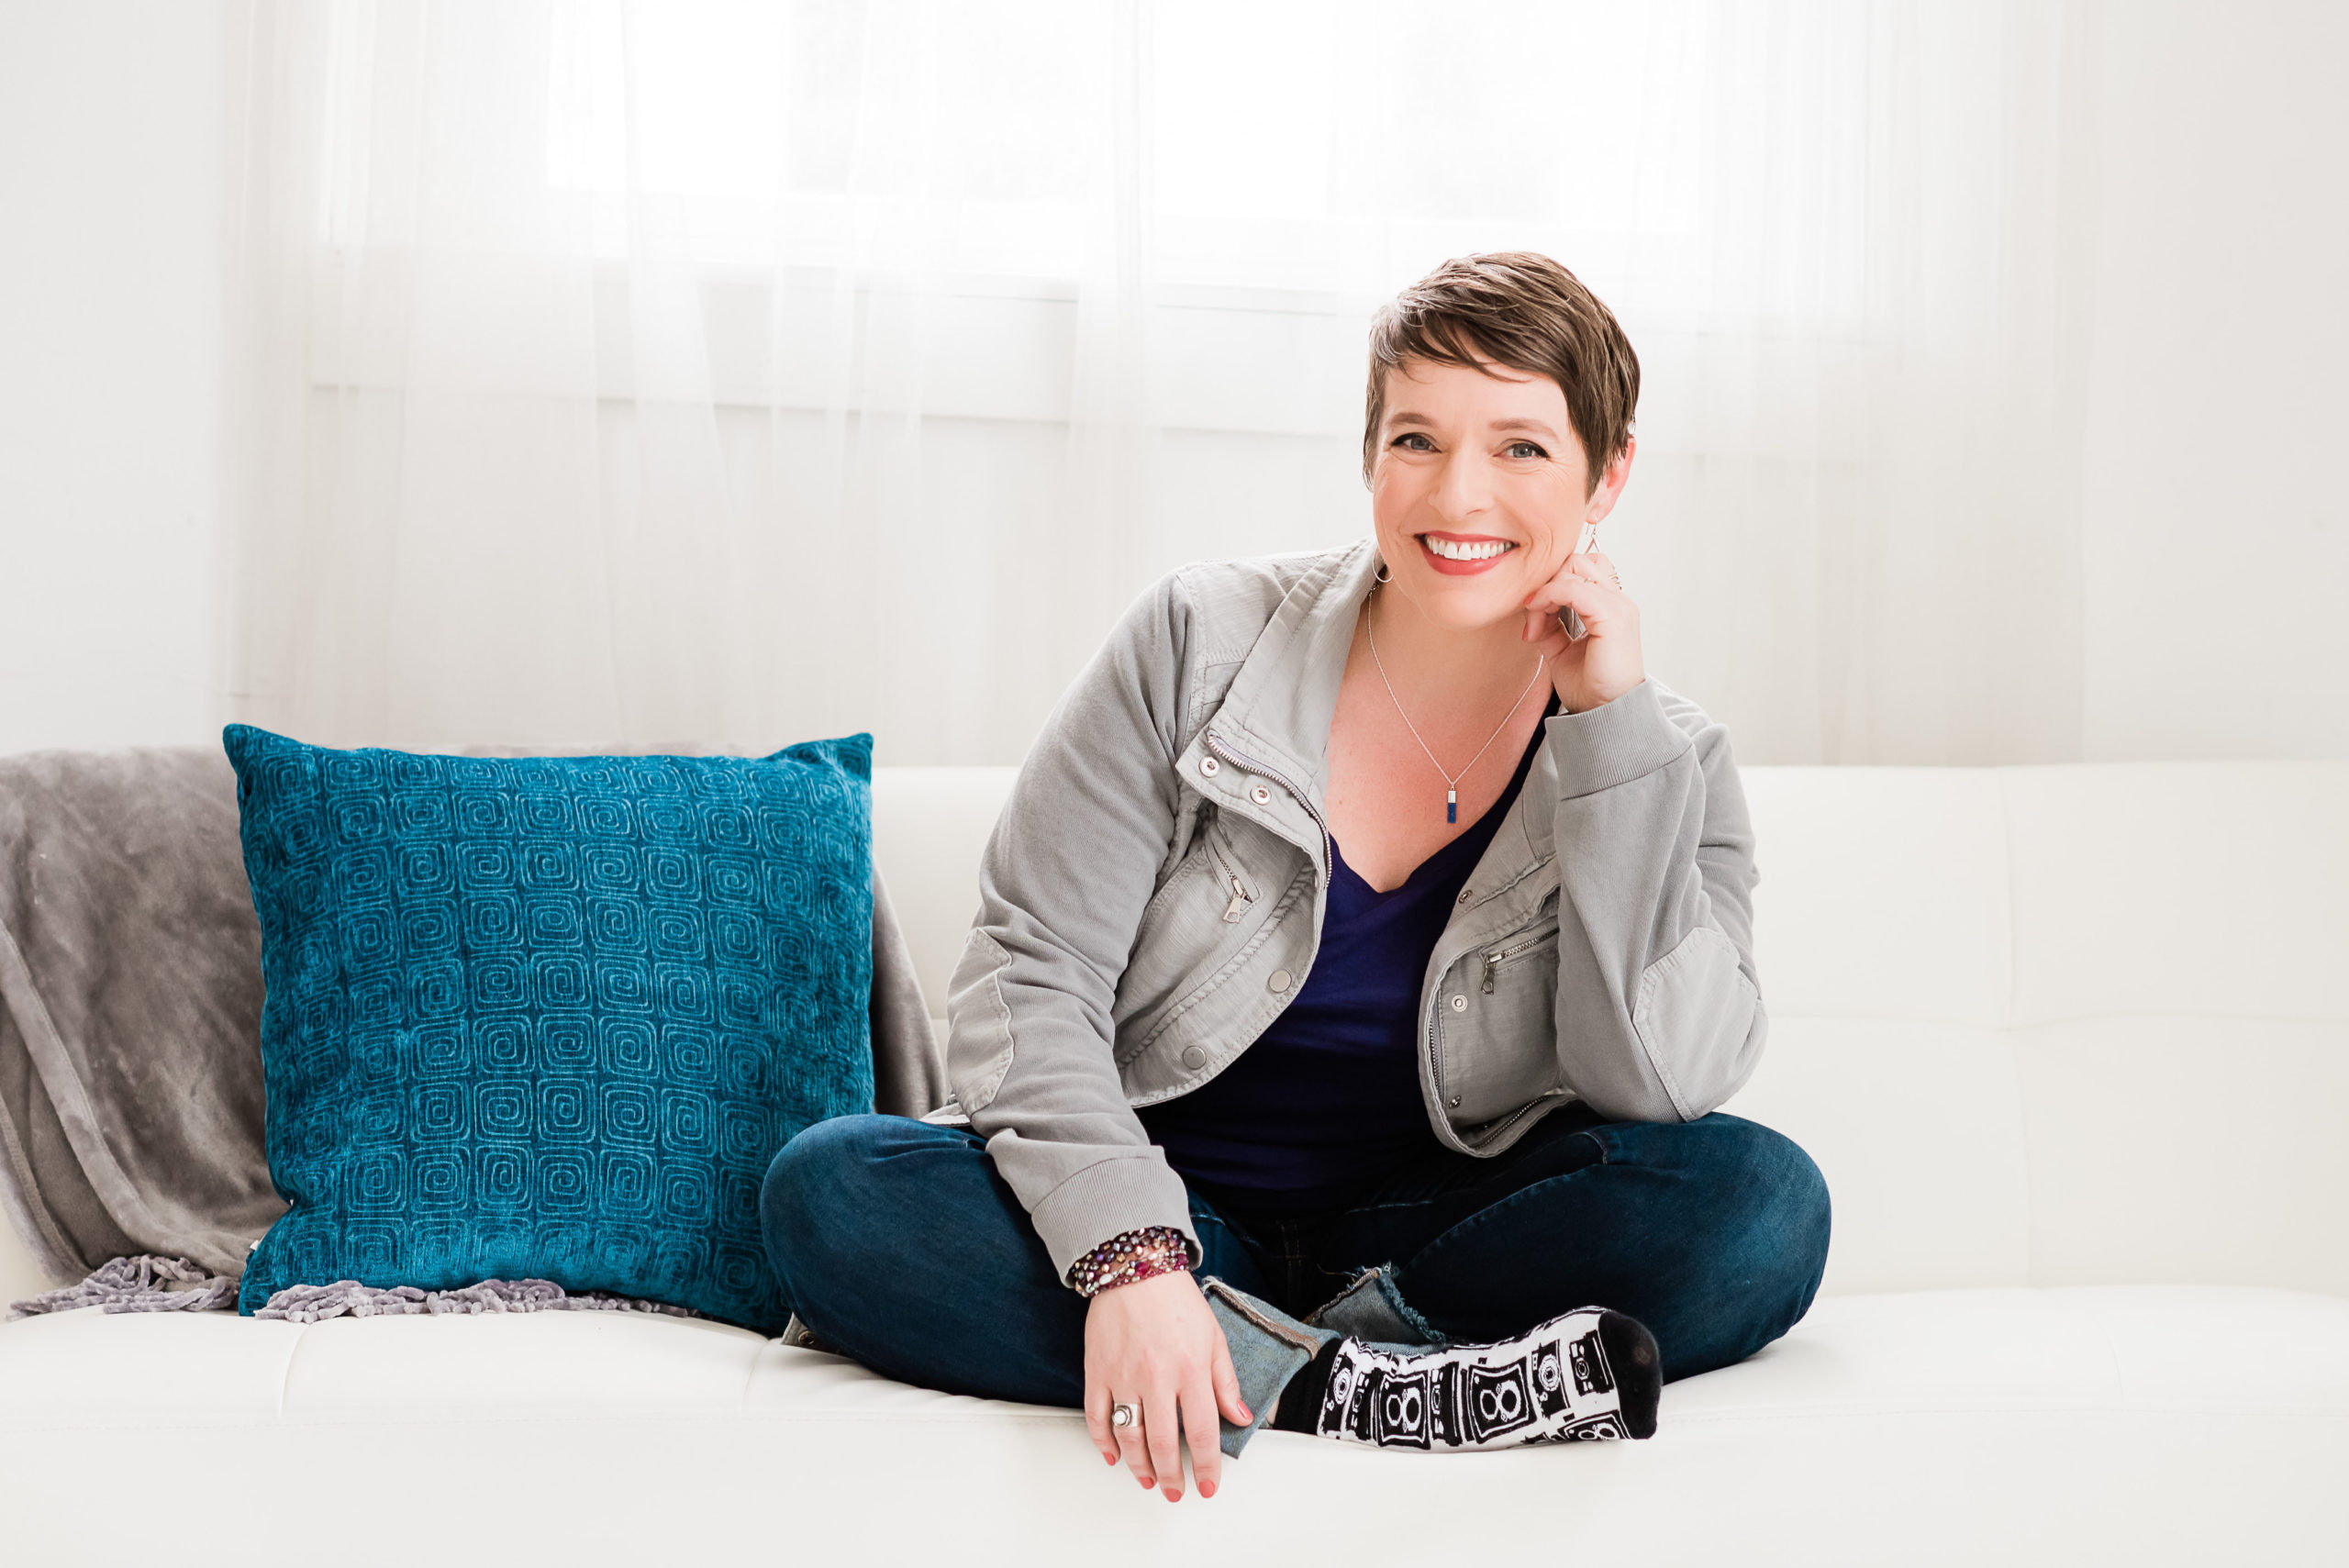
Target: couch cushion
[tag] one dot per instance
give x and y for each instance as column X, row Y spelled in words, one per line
column 2169, row 889
column 1884, row 894
column 2060, row 1024
column 929, row 826
column 1919, row 1128
column 2140, row 1424
column 2205, row 1149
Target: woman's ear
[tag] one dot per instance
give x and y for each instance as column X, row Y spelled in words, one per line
column 1609, row 488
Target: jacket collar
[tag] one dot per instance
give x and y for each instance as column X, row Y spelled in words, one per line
column 1280, row 705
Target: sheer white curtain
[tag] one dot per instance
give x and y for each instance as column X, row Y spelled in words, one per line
column 720, row 374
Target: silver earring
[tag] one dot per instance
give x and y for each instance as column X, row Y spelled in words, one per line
column 1384, row 576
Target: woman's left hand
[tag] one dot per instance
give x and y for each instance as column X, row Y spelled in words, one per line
column 1605, row 663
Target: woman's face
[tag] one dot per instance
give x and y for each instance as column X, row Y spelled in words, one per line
column 1480, row 489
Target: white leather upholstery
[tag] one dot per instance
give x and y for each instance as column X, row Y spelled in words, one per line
column 2071, row 1044
column 928, row 825
column 1966, row 1426
column 2062, row 1026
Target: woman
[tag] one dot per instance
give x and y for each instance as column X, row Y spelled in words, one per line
column 1360, row 955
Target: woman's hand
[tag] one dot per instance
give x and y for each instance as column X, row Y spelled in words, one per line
column 1605, row 663
column 1155, row 1345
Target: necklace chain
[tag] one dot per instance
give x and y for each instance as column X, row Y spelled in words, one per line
column 1451, row 781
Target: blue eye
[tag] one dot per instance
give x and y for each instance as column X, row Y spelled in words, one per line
column 1425, row 445
column 1525, row 450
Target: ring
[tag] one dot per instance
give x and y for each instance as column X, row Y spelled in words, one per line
column 1123, row 1415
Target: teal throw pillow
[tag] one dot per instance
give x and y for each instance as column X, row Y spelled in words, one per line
column 551, row 1018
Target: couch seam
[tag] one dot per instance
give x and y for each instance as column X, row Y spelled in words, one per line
column 285, row 1370
column 2014, row 1051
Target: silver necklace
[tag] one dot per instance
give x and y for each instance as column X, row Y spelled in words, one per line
column 1451, row 781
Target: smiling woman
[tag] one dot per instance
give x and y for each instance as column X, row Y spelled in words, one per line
column 1425, row 1096
column 1484, row 376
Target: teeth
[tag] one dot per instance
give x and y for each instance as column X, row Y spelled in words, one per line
column 1451, row 549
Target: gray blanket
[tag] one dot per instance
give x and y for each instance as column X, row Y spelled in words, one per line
column 131, row 992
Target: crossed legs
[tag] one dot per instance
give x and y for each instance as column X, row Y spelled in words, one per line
column 898, row 1244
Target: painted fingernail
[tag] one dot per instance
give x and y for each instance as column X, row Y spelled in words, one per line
column 1207, row 1488
column 1148, row 1482
column 1173, row 1494
column 1108, row 1459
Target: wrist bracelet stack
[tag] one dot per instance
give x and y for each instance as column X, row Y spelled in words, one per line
column 1129, row 1259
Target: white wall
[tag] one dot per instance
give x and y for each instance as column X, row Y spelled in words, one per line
column 2217, row 551
column 113, row 120
column 2215, row 530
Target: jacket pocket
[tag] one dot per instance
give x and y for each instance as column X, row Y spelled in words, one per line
column 1212, row 908
column 1182, row 885
column 1501, row 1047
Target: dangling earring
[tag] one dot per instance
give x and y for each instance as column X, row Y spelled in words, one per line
column 1383, row 576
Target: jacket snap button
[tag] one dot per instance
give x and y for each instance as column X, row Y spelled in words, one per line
column 1455, row 1100
column 1278, row 980
column 1261, row 796
column 1460, row 1004
column 1195, row 1057
column 1467, row 893
column 1209, row 766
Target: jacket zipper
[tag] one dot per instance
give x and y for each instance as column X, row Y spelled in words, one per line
column 1249, row 765
column 1241, row 896
column 1499, row 956
column 1435, row 1068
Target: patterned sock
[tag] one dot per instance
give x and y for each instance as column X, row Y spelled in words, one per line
column 1590, row 1374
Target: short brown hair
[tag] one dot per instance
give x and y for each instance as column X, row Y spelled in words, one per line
column 1521, row 309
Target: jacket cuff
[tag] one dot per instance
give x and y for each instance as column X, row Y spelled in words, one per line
column 1614, row 743
column 1108, row 1198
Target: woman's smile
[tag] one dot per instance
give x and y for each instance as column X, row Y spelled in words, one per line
column 1464, row 555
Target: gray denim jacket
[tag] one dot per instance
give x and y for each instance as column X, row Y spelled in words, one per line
column 1153, row 897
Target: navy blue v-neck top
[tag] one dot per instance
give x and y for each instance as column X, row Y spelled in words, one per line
column 1328, row 1099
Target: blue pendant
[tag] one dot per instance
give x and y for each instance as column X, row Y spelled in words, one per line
column 1451, row 806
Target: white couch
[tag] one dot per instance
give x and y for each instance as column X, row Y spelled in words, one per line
column 2071, row 1044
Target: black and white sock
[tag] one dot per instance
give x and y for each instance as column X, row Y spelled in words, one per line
column 1589, row 1374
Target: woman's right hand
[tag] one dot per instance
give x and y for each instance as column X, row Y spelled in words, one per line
column 1154, row 1344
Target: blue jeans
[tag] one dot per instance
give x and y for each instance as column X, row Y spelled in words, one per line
column 900, row 1246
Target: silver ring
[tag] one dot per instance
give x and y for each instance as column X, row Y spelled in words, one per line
column 1123, row 1415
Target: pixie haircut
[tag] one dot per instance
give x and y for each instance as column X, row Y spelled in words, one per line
column 1520, row 309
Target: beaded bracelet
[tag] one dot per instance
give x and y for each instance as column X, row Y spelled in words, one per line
column 1129, row 1259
